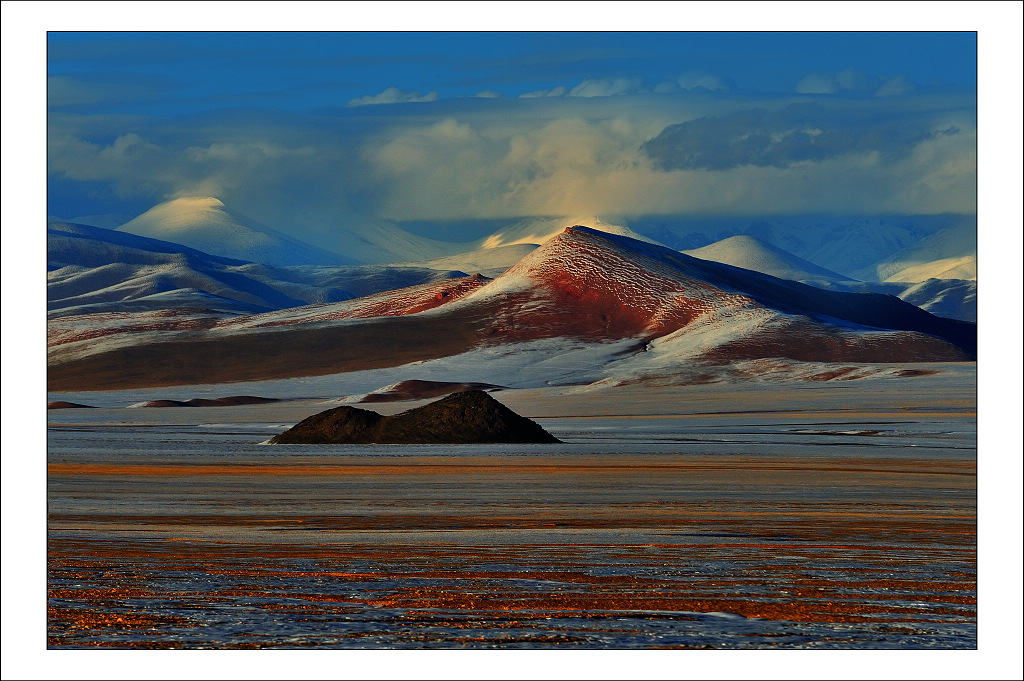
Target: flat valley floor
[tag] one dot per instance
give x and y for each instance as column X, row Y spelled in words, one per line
column 833, row 515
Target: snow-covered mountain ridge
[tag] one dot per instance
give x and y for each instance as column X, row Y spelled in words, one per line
column 96, row 270
column 582, row 286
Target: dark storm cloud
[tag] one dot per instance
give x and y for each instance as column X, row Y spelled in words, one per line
column 780, row 139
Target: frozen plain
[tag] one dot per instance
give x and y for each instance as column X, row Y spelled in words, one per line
column 737, row 514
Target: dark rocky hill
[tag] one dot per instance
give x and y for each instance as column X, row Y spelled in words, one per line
column 471, row 417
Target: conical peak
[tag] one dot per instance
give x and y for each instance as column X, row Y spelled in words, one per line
column 186, row 211
column 190, row 204
column 579, row 228
column 197, row 201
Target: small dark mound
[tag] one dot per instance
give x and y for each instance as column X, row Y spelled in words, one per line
column 915, row 372
column 61, row 404
column 163, row 403
column 471, row 417
column 233, row 401
column 420, row 390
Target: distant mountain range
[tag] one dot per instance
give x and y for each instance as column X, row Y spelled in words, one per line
column 864, row 248
column 193, row 292
column 948, row 254
column 96, row 270
column 942, row 295
column 580, row 286
column 826, row 250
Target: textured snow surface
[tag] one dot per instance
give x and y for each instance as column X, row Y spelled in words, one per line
column 585, row 266
column 78, row 336
column 405, row 301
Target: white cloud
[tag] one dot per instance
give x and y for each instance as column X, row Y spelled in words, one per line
column 587, row 160
column 900, row 85
column 605, row 87
column 393, row 95
column 489, row 94
column 549, row 156
column 853, row 81
column 817, row 84
column 693, row 80
column 553, row 92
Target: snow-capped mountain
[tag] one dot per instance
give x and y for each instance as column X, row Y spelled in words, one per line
column 751, row 253
column 206, row 224
column 582, row 286
column 587, row 283
column 539, row 230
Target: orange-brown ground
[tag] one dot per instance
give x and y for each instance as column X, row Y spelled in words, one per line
column 469, row 572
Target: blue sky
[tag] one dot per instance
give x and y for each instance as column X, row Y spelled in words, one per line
column 168, row 74
column 308, row 131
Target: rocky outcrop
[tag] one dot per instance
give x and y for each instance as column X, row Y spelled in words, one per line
column 471, row 417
